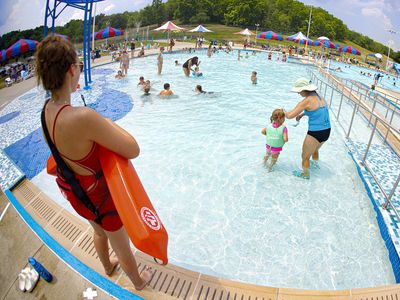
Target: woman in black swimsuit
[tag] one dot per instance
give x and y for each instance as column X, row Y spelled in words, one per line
column 187, row 66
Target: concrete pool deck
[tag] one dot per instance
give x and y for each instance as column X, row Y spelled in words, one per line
column 172, row 282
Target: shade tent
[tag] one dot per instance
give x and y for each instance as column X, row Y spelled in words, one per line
column 322, row 38
column 349, row 49
column 303, row 41
column 20, row 47
column 296, row 36
column 324, row 43
column 245, row 32
column 169, row 26
column 378, row 55
column 269, row 35
column 2, row 55
column 200, row 28
column 107, row 33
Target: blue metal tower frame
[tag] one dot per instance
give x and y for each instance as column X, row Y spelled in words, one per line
column 86, row 6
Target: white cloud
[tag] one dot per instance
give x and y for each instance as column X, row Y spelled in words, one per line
column 371, row 12
column 109, row 7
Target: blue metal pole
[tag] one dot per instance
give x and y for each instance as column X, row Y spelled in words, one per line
column 85, row 62
column 53, row 17
column 88, row 40
column 45, row 18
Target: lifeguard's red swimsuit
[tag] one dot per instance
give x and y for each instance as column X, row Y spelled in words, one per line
column 94, row 185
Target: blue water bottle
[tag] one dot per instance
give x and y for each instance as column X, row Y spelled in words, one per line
column 46, row 275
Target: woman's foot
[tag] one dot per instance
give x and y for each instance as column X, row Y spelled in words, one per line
column 146, row 276
column 314, row 164
column 113, row 265
column 301, row 174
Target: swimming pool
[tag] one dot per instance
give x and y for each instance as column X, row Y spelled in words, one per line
column 201, row 164
column 353, row 72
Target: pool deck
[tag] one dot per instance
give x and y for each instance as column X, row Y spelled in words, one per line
column 170, row 282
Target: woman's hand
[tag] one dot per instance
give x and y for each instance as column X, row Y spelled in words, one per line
column 264, row 131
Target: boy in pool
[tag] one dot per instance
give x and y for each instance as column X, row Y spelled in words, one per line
column 167, row 91
column 119, row 75
column 141, row 81
column 277, row 135
column 253, row 77
column 146, row 87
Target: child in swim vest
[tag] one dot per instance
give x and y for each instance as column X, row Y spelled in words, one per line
column 277, row 135
column 196, row 72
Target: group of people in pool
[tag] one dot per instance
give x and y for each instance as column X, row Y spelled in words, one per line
column 78, row 132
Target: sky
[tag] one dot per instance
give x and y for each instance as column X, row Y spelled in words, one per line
column 370, row 17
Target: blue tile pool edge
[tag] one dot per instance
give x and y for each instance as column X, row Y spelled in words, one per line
column 75, row 264
column 383, row 227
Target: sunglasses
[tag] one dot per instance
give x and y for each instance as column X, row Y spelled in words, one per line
column 80, row 64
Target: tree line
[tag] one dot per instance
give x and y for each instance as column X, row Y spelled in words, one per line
column 282, row 16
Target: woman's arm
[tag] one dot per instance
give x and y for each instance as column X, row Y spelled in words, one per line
column 264, row 131
column 285, row 136
column 300, row 107
column 108, row 134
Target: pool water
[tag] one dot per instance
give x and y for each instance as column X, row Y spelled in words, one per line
column 201, row 164
column 352, row 72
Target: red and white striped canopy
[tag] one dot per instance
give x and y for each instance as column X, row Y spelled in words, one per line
column 169, row 26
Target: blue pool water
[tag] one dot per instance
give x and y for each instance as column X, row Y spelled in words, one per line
column 201, row 164
column 352, row 72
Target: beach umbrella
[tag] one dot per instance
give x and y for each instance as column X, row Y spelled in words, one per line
column 324, row 43
column 3, row 55
column 349, row 49
column 269, row 35
column 107, row 33
column 245, row 32
column 378, row 55
column 200, row 28
column 322, row 38
column 169, row 26
column 20, row 47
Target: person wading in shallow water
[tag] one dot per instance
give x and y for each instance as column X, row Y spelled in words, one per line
column 319, row 126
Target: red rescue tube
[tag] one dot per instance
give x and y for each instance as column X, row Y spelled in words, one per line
column 134, row 207
column 51, row 166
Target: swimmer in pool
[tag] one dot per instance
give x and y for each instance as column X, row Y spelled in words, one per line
column 167, row 91
column 253, row 77
column 196, row 72
column 277, row 135
column 119, row 75
column 141, row 81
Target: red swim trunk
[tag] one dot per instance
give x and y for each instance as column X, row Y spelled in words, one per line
column 98, row 192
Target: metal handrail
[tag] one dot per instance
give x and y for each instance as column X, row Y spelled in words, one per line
column 358, row 104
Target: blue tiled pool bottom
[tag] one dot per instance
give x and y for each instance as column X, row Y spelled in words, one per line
column 31, row 152
column 385, row 165
column 8, row 117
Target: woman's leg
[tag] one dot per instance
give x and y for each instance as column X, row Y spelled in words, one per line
column 186, row 71
column 310, row 145
column 120, row 243
column 315, row 156
column 100, row 241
